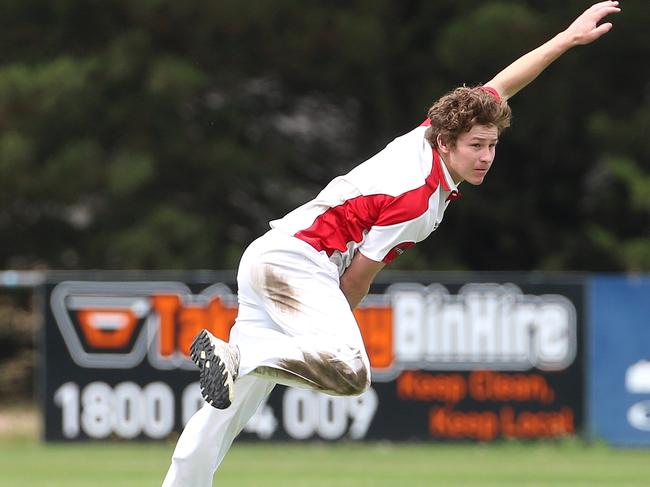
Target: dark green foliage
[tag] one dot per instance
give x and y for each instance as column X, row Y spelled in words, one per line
column 162, row 134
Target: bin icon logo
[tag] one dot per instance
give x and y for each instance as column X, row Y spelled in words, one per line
column 120, row 324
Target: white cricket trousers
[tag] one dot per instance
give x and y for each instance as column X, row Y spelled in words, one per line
column 294, row 327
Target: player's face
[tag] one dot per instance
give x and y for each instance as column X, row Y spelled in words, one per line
column 471, row 157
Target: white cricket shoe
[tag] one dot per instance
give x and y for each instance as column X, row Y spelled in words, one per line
column 218, row 363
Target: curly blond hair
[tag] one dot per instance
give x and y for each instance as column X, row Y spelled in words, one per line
column 459, row 110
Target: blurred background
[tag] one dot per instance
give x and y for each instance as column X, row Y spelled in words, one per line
column 164, row 135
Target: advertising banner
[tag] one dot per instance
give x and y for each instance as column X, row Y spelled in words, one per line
column 619, row 360
column 472, row 356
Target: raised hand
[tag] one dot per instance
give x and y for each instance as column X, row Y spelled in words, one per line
column 583, row 30
column 586, row 28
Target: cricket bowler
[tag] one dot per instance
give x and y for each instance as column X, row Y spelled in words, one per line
column 299, row 282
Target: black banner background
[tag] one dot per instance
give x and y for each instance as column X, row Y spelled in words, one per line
column 560, row 410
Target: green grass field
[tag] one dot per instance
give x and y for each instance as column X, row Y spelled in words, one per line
column 26, row 463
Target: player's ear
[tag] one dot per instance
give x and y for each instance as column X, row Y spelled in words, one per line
column 442, row 145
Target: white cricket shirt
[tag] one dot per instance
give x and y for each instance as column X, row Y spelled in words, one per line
column 384, row 205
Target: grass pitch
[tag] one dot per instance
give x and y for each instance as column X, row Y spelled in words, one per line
column 24, row 462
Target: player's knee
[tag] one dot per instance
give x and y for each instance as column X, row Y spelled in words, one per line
column 354, row 376
column 361, row 381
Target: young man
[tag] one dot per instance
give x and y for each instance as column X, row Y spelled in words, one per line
column 299, row 283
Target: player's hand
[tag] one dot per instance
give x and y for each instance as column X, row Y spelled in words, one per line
column 585, row 29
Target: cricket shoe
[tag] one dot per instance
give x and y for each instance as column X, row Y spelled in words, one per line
column 218, row 363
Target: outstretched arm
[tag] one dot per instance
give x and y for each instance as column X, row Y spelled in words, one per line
column 583, row 30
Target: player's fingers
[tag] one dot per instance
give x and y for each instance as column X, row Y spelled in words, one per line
column 600, row 12
column 602, row 28
column 597, row 32
column 599, row 5
column 599, row 15
column 608, row 8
